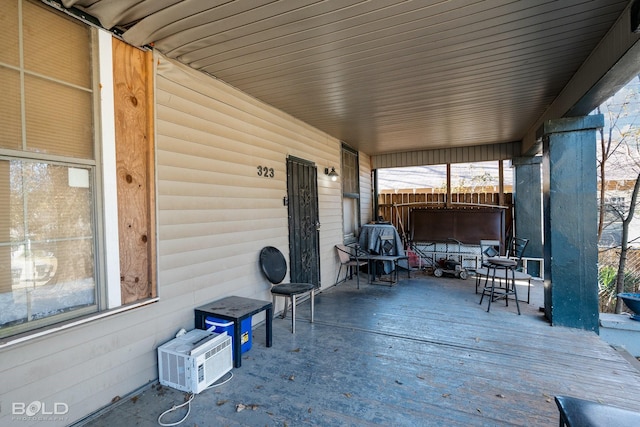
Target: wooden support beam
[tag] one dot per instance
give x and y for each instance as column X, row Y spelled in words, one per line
column 133, row 94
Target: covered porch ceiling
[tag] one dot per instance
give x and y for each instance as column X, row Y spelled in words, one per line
column 384, row 76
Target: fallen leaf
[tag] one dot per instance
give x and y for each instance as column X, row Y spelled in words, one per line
column 134, row 399
column 115, row 399
column 292, row 377
column 501, row 396
column 309, row 410
column 297, row 350
column 420, row 376
column 347, row 394
column 446, row 394
column 479, row 410
column 221, row 402
column 240, row 407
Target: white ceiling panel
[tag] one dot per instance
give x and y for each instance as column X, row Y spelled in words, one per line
column 382, row 75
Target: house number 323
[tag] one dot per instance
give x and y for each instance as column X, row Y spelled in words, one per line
column 265, row 172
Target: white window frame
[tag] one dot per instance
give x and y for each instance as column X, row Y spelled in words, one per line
column 109, row 189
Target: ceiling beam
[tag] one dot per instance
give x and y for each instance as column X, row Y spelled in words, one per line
column 440, row 156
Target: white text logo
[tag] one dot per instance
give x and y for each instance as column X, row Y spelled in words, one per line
column 39, row 409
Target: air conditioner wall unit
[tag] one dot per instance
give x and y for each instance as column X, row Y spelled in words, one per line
column 195, row 360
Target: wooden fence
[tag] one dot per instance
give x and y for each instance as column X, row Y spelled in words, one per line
column 395, row 207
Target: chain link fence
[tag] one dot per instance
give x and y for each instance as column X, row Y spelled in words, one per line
column 608, row 259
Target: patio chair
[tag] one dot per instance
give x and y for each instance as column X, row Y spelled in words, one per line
column 488, row 249
column 274, row 267
column 576, row 412
column 387, row 244
column 508, row 264
column 350, row 258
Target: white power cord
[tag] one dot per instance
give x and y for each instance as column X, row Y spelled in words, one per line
column 188, row 403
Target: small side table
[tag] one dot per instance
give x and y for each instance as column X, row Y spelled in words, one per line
column 235, row 309
column 386, row 258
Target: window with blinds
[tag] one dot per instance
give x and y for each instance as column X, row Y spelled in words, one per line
column 350, row 194
column 350, row 178
column 47, row 168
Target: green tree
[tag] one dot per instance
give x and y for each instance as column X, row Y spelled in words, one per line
column 620, row 150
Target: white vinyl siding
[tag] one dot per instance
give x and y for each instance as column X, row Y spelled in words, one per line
column 215, row 211
column 441, row 156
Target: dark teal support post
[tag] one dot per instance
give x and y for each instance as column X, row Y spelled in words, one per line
column 528, row 208
column 570, row 221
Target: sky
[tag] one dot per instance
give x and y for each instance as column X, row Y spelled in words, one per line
column 435, row 176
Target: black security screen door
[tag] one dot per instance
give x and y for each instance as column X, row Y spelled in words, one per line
column 302, row 189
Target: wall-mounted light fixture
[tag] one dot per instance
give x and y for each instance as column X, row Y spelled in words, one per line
column 331, row 174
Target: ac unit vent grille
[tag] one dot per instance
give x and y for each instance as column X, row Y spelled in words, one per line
column 195, row 360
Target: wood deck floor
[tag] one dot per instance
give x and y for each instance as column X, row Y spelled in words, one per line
column 421, row 353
